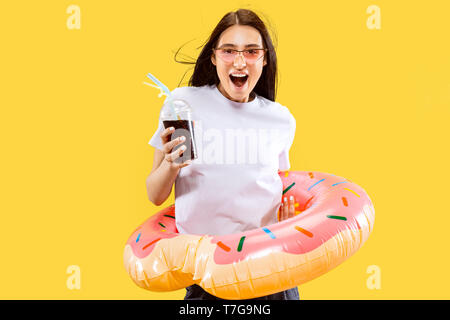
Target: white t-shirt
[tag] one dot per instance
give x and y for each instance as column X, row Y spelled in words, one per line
column 233, row 185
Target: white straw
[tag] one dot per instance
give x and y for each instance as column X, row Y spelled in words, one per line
column 162, row 93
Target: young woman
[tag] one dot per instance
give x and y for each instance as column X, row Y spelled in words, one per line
column 232, row 94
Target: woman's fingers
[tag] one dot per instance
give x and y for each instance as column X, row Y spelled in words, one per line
column 176, row 154
column 287, row 209
column 168, row 146
column 165, row 134
column 185, row 164
column 284, row 207
column 291, row 206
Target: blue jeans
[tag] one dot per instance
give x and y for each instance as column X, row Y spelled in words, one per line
column 195, row 292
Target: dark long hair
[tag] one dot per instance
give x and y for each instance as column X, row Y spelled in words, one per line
column 205, row 71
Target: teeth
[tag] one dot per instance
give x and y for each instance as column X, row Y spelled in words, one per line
column 238, row 75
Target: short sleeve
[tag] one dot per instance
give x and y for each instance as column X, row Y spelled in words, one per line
column 155, row 140
column 284, row 163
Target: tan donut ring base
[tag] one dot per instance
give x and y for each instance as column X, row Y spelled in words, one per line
column 334, row 218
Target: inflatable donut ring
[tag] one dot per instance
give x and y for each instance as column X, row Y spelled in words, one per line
column 334, row 217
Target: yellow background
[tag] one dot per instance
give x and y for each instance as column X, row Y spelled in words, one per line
column 372, row 106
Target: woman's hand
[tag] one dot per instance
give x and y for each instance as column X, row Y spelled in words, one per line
column 168, row 145
column 287, row 209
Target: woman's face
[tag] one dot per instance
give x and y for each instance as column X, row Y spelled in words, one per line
column 239, row 37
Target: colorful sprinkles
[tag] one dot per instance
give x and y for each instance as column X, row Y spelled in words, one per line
column 307, row 202
column 223, row 246
column 335, row 184
column 269, row 233
column 149, row 244
column 137, row 228
column 305, row 232
column 316, row 183
column 241, row 243
column 286, row 190
column 337, row 217
column 353, row 192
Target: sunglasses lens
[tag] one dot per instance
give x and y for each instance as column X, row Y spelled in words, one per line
column 229, row 55
column 253, row 55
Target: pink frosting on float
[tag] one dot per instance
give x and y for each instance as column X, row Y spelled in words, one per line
column 333, row 199
column 320, row 195
column 300, row 234
column 145, row 237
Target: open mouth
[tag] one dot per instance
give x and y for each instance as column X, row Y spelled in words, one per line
column 238, row 81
